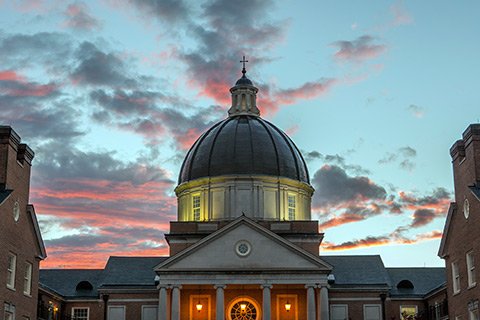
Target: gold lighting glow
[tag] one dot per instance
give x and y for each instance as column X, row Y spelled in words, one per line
column 199, row 306
column 288, row 306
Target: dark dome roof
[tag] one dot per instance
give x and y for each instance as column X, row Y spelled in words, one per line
column 244, row 81
column 244, row 144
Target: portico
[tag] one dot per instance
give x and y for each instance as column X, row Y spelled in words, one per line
column 228, row 272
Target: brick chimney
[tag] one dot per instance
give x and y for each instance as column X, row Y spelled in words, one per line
column 15, row 163
column 466, row 161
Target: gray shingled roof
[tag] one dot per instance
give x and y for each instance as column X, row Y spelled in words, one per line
column 64, row 281
column 119, row 272
column 128, row 271
column 364, row 270
column 424, row 280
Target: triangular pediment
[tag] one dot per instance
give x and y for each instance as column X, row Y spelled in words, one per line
column 241, row 246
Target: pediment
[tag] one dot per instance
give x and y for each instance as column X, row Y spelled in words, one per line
column 243, row 245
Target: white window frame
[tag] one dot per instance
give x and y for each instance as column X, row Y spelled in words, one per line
column 291, row 209
column 82, row 308
column 11, row 270
column 27, row 279
column 196, row 210
column 379, row 306
column 408, row 306
column 471, row 269
column 117, row 307
column 473, row 314
column 345, row 306
column 455, row 277
column 149, row 306
column 9, row 311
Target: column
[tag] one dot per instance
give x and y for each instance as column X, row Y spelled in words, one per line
column 162, row 304
column 311, row 313
column 176, row 302
column 220, row 302
column 323, row 312
column 267, row 310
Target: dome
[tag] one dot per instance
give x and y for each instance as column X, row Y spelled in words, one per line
column 244, row 144
column 244, row 81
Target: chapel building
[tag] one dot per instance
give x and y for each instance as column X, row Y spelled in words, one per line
column 244, row 246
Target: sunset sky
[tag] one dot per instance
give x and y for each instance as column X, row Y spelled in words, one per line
column 111, row 94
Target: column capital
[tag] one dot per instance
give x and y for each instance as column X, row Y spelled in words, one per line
column 176, row 286
column 266, row 285
column 310, row 285
column 219, row 286
column 323, row 285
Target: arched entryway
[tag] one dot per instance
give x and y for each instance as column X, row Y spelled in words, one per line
column 243, row 308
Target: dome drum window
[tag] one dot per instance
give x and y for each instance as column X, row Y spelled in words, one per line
column 196, row 207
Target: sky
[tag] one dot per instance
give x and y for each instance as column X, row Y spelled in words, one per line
column 111, row 94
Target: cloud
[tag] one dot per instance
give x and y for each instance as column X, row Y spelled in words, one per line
column 359, row 243
column 97, row 68
column 334, row 187
column 358, row 50
column 272, row 98
column 422, row 217
column 152, row 115
column 400, row 14
column 165, row 11
column 403, row 155
column 336, row 160
column 78, row 17
column 48, row 50
column 416, row 111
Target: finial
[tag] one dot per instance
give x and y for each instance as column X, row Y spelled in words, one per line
column 243, row 61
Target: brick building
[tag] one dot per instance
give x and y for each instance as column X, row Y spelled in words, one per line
column 21, row 245
column 460, row 246
column 244, row 246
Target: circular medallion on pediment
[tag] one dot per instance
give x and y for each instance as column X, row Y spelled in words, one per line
column 243, row 248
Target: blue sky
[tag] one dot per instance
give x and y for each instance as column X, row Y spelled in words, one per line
column 110, row 94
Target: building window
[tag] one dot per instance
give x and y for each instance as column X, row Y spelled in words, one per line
column 12, row 266
column 9, row 313
column 292, row 206
column 196, row 207
column 408, row 312
column 372, row 311
column 338, row 311
column 80, row 313
column 474, row 315
column 27, row 279
column 471, row 269
column 455, row 277
column 244, row 308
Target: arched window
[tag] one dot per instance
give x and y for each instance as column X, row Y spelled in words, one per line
column 84, row 286
column 405, row 284
column 244, row 308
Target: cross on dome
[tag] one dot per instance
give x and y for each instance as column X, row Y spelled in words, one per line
column 243, row 62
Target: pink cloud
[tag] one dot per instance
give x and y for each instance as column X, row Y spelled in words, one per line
column 10, row 75
column 358, row 50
